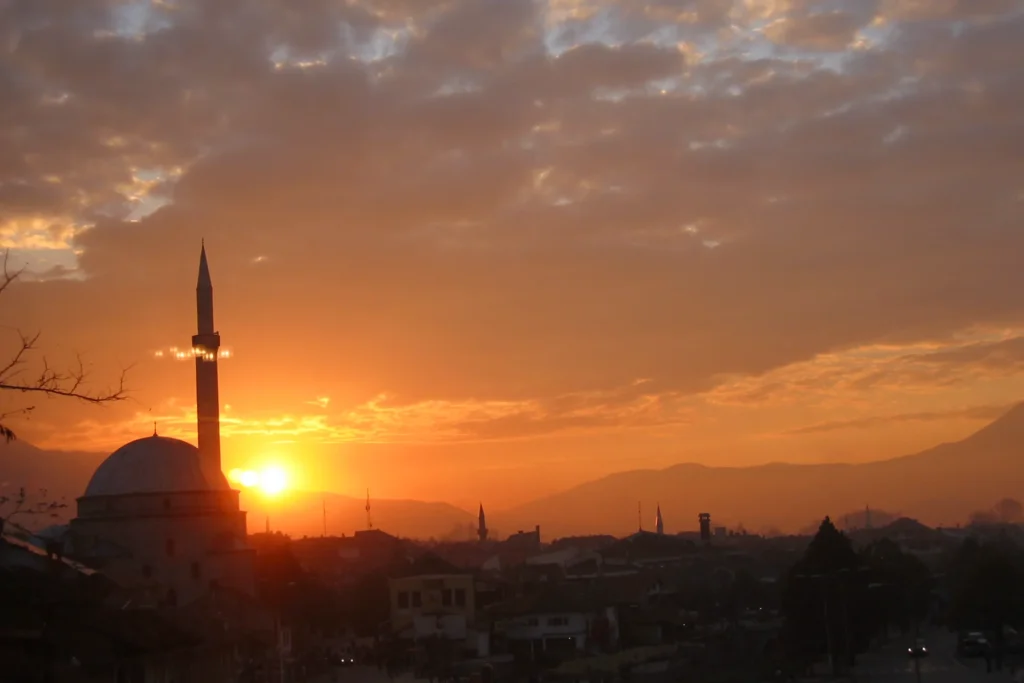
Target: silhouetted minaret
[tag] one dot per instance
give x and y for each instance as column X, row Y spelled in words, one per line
column 867, row 516
column 369, row 519
column 639, row 517
column 481, row 526
column 206, row 347
column 659, row 523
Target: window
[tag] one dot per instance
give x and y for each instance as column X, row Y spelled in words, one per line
column 460, row 597
column 558, row 621
column 403, row 599
column 446, row 597
column 417, row 599
column 195, row 570
column 147, row 571
column 169, row 545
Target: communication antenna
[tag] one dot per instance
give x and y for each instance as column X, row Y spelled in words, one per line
column 639, row 517
column 369, row 520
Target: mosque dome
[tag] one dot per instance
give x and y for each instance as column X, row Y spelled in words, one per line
column 155, row 464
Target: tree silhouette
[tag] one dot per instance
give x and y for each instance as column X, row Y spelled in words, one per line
column 902, row 586
column 823, row 601
column 45, row 381
column 1009, row 511
column 22, row 503
column 987, row 586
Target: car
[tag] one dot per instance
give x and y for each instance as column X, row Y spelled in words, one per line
column 918, row 649
column 343, row 660
column 972, row 644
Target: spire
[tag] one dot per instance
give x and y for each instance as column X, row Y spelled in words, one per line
column 481, row 529
column 369, row 520
column 639, row 517
column 204, row 281
column 659, row 523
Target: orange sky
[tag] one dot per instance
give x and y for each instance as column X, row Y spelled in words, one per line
column 493, row 249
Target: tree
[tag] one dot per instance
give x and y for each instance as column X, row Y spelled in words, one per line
column 823, row 600
column 46, row 381
column 901, row 585
column 24, row 504
column 986, row 586
column 1009, row 511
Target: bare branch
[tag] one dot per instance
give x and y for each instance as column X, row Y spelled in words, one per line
column 49, row 382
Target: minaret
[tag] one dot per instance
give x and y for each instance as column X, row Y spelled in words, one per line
column 369, row 519
column 206, row 347
column 481, row 527
column 659, row 523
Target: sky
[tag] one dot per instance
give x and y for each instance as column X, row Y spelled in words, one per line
column 474, row 250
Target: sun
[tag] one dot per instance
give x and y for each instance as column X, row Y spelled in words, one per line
column 273, row 480
column 270, row 481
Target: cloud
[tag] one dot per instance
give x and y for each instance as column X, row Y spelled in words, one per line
column 980, row 413
column 482, row 203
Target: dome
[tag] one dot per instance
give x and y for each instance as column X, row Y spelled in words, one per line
column 155, row 464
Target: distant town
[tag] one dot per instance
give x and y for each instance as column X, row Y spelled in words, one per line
column 707, row 605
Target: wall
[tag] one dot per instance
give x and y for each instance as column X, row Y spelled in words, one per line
column 437, row 596
column 179, row 541
column 541, row 626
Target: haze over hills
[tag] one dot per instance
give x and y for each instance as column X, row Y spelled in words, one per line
column 940, row 485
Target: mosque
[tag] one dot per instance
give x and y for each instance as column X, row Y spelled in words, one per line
column 158, row 515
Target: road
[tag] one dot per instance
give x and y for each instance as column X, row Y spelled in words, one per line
column 892, row 664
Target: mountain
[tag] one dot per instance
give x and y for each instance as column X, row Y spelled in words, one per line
column 941, row 485
column 65, row 474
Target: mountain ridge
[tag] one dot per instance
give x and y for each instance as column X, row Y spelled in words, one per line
column 976, row 471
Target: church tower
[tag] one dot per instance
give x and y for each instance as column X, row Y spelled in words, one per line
column 481, row 525
column 659, row 523
column 206, row 348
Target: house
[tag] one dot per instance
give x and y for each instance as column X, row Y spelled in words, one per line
column 57, row 624
column 552, row 622
column 432, row 598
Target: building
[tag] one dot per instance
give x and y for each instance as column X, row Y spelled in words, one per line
column 433, row 598
column 552, row 620
column 158, row 514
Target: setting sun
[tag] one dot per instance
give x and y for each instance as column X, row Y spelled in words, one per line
column 270, row 480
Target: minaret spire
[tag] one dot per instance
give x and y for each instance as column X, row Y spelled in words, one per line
column 206, row 348
column 659, row 523
column 481, row 529
column 369, row 519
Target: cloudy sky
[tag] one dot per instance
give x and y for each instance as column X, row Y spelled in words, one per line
column 485, row 249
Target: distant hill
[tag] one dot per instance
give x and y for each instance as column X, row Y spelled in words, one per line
column 65, row 475
column 941, row 485
column 301, row 513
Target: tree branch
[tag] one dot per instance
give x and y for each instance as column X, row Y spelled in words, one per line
column 49, row 382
